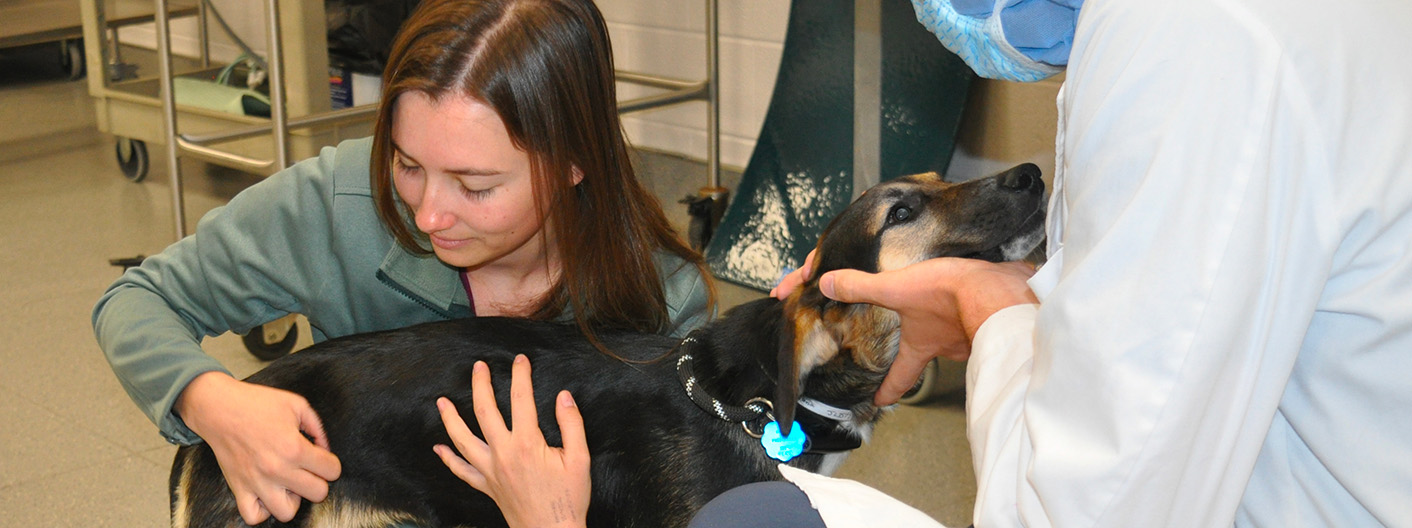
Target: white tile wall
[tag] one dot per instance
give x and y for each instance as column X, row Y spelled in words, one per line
column 667, row 38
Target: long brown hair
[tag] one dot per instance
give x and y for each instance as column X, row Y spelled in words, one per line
column 546, row 67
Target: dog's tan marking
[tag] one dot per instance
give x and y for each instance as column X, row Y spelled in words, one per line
column 813, row 345
column 868, row 333
column 334, row 512
column 180, row 503
column 905, row 245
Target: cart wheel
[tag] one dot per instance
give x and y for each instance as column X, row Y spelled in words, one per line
column 132, row 158
column 258, row 347
column 71, row 59
column 925, row 388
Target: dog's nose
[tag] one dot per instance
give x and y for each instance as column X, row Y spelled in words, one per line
column 1021, row 178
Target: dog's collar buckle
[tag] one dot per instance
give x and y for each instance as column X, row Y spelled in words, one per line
column 767, row 415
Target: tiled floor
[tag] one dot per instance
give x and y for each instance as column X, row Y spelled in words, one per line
column 77, row 453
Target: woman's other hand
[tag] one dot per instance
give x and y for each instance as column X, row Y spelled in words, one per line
column 942, row 302
column 255, row 432
column 535, row 485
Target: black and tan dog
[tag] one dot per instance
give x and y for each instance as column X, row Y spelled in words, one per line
column 658, row 454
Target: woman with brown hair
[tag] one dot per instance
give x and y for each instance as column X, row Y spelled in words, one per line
column 497, row 183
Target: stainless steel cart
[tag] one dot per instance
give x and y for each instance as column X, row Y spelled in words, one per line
column 142, row 110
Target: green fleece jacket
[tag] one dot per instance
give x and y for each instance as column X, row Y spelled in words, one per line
column 306, row 240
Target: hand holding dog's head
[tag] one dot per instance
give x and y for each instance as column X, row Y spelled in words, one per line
column 891, row 226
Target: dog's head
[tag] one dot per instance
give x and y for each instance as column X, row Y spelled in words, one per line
column 894, row 225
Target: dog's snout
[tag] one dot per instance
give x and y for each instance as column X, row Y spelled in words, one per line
column 1021, row 178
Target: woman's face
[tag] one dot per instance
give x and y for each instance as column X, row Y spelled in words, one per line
column 468, row 186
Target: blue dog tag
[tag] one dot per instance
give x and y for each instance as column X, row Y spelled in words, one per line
column 780, row 447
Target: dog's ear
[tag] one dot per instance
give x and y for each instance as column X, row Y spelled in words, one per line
column 804, row 343
column 847, row 243
column 789, row 384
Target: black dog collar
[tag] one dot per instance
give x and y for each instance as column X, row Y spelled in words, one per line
column 822, row 423
column 753, row 410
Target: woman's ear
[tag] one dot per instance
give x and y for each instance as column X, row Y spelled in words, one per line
column 575, row 174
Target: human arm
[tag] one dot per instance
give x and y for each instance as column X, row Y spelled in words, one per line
column 535, row 485
column 262, row 256
column 251, row 261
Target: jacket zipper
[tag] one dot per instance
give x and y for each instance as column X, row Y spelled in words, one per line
column 387, row 281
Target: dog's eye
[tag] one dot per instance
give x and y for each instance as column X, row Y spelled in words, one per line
column 899, row 213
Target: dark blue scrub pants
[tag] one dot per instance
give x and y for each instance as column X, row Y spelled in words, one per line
column 778, row 504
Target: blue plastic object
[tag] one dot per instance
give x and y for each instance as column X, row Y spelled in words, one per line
column 780, row 447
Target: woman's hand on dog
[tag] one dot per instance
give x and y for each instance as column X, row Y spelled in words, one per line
column 258, row 436
column 535, row 484
column 941, row 302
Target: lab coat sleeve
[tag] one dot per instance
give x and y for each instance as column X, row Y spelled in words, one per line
column 996, row 377
column 1190, row 263
column 249, row 262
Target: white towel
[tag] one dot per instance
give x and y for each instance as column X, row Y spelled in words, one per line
column 847, row 504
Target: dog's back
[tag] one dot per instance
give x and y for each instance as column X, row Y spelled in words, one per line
column 375, row 394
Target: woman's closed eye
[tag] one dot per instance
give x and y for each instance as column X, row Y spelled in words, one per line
column 477, row 194
column 401, row 166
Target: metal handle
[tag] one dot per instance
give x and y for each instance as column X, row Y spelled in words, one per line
column 276, row 64
column 164, row 66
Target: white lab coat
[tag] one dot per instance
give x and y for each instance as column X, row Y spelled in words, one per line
column 1225, row 328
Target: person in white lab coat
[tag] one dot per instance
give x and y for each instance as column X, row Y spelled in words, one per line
column 1222, row 334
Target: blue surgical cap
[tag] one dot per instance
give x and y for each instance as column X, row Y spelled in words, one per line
column 1042, row 30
